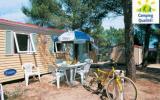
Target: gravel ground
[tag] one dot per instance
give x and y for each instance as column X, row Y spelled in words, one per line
column 148, row 86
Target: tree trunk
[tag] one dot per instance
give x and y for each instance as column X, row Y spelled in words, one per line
column 158, row 50
column 146, row 46
column 129, row 40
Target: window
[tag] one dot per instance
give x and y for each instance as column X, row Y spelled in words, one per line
column 20, row 42
column 58, row 47
column 23, row 43
column 90, row 47
column 63, row 47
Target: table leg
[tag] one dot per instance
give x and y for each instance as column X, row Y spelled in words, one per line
column 74, row 76
column 66, row 77
column 71, row 75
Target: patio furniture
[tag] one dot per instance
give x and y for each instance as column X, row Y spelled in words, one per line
column 60, row 72
column 83, row 70
column 30, row 70
column 73, row 70
column 1, row 92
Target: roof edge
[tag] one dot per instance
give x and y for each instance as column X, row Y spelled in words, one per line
column 13, row 23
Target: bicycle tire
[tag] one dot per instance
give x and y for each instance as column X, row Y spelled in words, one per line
column 129, row 91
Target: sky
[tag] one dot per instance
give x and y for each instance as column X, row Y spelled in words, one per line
column 116, row 22
column 11, row 10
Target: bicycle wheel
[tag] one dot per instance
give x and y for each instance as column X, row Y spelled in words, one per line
column 91, row 83
column 128, row 90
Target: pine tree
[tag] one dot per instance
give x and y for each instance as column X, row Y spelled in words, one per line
column 84, row 15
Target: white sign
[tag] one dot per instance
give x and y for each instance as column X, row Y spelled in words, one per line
column 145, row 11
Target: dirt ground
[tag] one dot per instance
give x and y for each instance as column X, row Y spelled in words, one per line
column 148, row 85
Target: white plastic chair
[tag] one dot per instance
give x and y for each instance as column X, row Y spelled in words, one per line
column 82, row 71
column 60, row 72
column 30, row 70
column 1, row 92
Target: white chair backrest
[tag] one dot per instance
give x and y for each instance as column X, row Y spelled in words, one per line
column 87, row 65
column 89, row 60
column 28, row 67
column 78, row 62
column 59, row 62
column 64, row 63
column 1, row 92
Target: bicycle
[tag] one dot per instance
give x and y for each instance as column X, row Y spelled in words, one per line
column 118, row 86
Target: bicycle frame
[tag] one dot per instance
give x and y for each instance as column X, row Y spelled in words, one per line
column 111, row 81
column 106, row 75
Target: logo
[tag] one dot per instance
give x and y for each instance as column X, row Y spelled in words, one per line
column 147, row 6
column 10, row 72
column 145, row 11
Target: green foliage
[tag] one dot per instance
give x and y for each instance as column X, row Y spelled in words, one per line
column 40, row 11
column 141, row 30
column 84, row 15
column 111, row 37
column 108, row 39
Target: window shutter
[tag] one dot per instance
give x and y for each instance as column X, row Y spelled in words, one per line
column 9, row 42
column 35, row 40
column 51, row 46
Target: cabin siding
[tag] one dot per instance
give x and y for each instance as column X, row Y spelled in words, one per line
column 118, row 54
column 15, row 61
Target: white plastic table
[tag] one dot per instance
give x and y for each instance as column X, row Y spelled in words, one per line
column 72, row 68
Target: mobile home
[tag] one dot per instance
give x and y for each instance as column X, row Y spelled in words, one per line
column 118, row 54
column 21, row 43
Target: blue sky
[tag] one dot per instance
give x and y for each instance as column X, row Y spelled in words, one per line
column 11, row 10
column 116, row 22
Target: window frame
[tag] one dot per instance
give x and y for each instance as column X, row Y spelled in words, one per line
column 56, row 47
column 30, row 39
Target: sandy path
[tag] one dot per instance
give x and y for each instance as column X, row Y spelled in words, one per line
column 148, row 89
